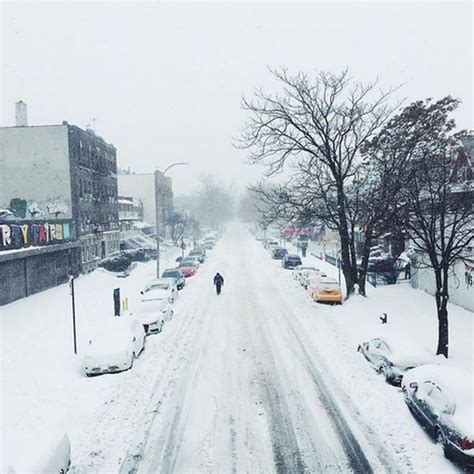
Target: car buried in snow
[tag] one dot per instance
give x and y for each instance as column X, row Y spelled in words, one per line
column 208, row 244
column 441, row 398
column 193, row 260
column 325, row 290
column 152, row 314
column 279, row 253
column 392, row 357
column 43, row 450
column 290, row 261
column 297, row 271
column 188, row 269
column 199, row 254
column 177, row 276
column 271, row 245
column 307, row 276
column 160, row 288
column 114, row 346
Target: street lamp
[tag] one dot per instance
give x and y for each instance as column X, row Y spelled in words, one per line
column 157, row 211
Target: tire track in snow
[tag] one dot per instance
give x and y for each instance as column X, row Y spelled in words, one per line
column 176, row 382
column 288, row 429
column 319, row 374
column 158, row 445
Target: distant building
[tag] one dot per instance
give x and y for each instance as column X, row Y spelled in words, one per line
column 58, row 204
column 142, row 186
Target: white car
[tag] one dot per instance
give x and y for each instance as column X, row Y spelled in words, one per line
column 48, row 450
column 161, row 288
column 271, row 246
column 297, row 271
column 115, row 346
column 307, row 276
column 393, row 357
column 153, row 314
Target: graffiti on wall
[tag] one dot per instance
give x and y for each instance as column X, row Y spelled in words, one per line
column 14, row 236
column 19, row 208
column 57, row 207
column 35, row 210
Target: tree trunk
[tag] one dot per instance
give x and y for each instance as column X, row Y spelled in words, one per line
column 365, row 260
column 343, row 229
column 442, row 297
column 353, row 255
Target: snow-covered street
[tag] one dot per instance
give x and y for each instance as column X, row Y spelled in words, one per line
column 258, row 379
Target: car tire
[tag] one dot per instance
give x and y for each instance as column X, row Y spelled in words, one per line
column 385, row 373
column 441, row 439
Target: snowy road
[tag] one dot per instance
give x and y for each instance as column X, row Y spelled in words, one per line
column 243, row 388
column 258, row 379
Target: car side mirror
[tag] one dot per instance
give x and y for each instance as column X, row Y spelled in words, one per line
column 414, row 386
column 141, row 292
column 134, row 339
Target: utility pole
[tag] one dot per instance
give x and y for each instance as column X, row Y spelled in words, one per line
column 73, row 302
column 157, row 218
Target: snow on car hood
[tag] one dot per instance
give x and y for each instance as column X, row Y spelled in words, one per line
column 28, row 446
column 109, row 344
column 149, row 312
column 156, row 294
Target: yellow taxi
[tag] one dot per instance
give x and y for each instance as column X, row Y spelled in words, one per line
column 325, row 289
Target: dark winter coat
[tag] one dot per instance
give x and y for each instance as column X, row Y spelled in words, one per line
column 218, row 280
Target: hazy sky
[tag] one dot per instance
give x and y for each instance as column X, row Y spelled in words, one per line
column 164, row 80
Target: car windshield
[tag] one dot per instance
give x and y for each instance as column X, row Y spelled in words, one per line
column 110, row 337
column 185, row 264
column 170, row 274
column 155, row 294
column 154, row 286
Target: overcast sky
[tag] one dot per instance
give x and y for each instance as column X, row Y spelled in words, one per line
column 164, row 80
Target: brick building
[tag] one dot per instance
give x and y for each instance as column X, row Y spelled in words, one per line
column 58, row 206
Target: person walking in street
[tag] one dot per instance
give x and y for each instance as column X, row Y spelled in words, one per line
column 218, row 282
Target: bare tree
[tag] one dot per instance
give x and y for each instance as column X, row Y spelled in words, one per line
column 436, row 206
column 317, row 126
column 215, row 203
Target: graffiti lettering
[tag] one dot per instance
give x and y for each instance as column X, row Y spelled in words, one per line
column 14, row 236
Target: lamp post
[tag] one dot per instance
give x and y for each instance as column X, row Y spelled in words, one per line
column 157, row 210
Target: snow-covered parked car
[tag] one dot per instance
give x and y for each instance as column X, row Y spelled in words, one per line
column 393, row 357
column 160, row 288
column 177, row 276
column 153, row 314
column 43, row 451
column 325, row 290
column 114, row 346
column 307, row 276
column 441, row 397
column 298, row 270
column 291, row 261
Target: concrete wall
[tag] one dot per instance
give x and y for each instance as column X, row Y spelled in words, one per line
column 34, row 172
column 37, row 269
column 460, row 291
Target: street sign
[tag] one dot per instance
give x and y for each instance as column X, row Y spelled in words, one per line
column 302, row 231
column 117, row 301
